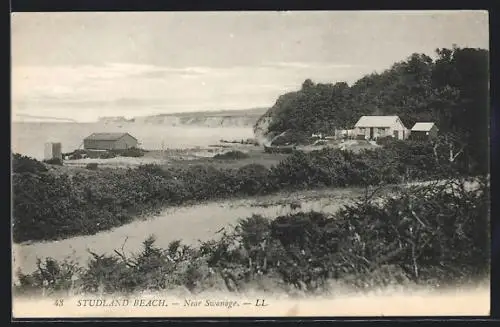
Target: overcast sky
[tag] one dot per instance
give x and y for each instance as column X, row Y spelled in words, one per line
column 86, row 65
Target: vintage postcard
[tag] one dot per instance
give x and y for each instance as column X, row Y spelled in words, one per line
column 246, row 164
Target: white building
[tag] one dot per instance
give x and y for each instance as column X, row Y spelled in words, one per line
column 373, row 127
column 52, row 151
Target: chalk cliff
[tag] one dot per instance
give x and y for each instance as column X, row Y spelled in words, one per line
column 226, row 118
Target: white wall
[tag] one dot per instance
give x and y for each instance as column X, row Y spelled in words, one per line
column 377, row 132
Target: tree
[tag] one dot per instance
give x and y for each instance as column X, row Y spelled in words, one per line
column 307, row 85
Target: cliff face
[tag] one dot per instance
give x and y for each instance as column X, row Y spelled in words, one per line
column 261, row 126
column 260, row 129
column 116, row 119
column 202, row 121
column 227, row 118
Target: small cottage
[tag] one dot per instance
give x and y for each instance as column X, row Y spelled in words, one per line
column 110, row 141
column 424, row 131
column 374, row 127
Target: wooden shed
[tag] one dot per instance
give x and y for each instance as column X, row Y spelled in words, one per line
column 424, row 131
column 110, row 141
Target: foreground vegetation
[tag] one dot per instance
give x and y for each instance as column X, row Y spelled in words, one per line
column 430, row 235
column 50, row 206
column 234, row 154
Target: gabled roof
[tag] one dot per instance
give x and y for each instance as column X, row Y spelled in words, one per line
column 376, row 121
column 422, row 127
column 107, row 136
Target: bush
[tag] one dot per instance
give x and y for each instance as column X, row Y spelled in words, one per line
column 253, row 179
column 51, row 275
column 92, row 166
column 385, row 140
column 75, row 156
column 234, row 154
column 334, row 167
column 107, row 155
column 54, row 161
column 24, row 164
column 131, row 152
column 154, row 169
column 207, row 182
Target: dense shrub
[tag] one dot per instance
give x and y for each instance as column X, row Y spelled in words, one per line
column 156, row 170
column 374, row 242
column 75, row 155
column 334, row 167
column 54, row 161
column 235, row 154
column 50, row 275
column 24, row 164
column 253, row 179
column 79, row 154
column 208, row 182
column 385, row 140
column 92, row 166
column 131, row 152
column 107, row 155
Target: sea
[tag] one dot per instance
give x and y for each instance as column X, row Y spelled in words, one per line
column 29, row 138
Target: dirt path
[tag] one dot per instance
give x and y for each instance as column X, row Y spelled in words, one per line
column 188, row 223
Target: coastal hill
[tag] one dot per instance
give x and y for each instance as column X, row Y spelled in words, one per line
column 450, row 90
column 221, row 118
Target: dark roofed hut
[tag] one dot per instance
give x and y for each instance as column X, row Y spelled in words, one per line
column 424, row 131
column 110, row 141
